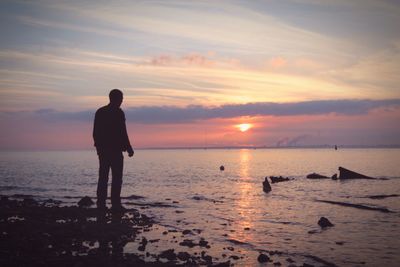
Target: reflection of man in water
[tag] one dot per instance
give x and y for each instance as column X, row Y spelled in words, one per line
column 110, row 139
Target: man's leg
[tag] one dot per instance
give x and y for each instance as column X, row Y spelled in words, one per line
column 117, row 166
column 104, row 170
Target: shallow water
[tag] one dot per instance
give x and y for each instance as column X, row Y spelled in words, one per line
column 230, row 205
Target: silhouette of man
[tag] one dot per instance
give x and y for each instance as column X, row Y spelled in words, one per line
column 110, row 139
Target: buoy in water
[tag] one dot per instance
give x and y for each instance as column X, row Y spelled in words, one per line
column 221, row 168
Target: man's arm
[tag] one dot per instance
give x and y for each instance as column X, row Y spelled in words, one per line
column 127, row 144
column 96, row 134
column 95, row 129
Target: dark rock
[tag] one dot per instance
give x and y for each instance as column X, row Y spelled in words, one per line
column 247, row 228
column 207, row 258
column 307, row 265
column 186, row 232
column 143, row 243
column 168, row 254
column 223, row 264
column 334, row 177
column 203, row 243
column 187, row 243
column 266, row 186
column 221, row 168
column 277, row 263
column 85, row 202
column 289, row 260
column 324, row 222
column 262, row 258
column 183, row 256
column 316, row 176
column 340, row 243
column 234, row 257
column 348, row 174
column 276, row 179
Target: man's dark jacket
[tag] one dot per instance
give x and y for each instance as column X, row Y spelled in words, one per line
column 109, row 131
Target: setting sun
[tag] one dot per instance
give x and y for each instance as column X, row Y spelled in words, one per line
column 244, row 127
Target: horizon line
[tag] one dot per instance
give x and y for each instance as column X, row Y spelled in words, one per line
column 395, row 146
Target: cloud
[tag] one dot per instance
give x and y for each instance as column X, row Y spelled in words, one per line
column 193, row 113
column 192, row 59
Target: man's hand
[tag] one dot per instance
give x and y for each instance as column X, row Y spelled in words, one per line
column 130, row 152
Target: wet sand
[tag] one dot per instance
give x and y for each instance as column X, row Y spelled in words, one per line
column 47, row 233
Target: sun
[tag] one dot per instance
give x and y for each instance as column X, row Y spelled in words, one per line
column 244, row 127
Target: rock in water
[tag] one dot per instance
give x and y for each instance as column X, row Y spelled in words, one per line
column 85, row 202
column 324, row 222
column 221, row 168
column 262, row 258
column 334, row 177
column 266, row 186
column 316, row 176
column 348, row 174
column 276, row 179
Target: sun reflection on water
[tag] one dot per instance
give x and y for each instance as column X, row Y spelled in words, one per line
column 243, row 205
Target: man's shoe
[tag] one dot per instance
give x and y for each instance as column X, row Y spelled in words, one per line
column 101, row 207
column 118, row 208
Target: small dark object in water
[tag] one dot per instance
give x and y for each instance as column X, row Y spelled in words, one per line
column 262, row 258
column 221, row 168
column 85, row 202
column 334, row 177
column 335, row 147
column 324, row 222
column 348, row 174
column 316, row 176
column 266, row 186
column 276, row 179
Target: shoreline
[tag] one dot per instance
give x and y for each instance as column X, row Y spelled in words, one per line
column 46, row 233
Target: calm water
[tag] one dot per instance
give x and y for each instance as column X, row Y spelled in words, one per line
column 223, row 204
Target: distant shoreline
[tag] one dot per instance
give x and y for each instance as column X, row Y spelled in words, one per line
column 219, row 148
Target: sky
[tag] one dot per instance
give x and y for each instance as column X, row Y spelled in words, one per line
column 300, row 72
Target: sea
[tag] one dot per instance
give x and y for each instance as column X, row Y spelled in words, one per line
column 185, row 189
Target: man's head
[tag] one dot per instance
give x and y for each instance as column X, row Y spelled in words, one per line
column 116, row 97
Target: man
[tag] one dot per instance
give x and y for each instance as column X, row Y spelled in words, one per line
column 110, row 139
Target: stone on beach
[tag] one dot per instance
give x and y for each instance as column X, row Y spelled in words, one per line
column 324, row 222
column 85, row 202
column 262, row 258
column 168, row 254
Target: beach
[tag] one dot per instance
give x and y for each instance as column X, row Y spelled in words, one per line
column 49, row 234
